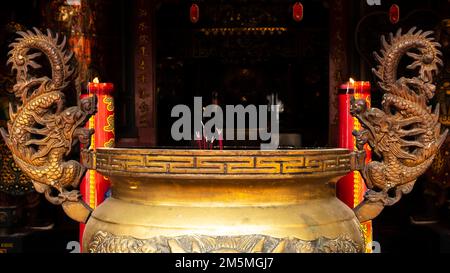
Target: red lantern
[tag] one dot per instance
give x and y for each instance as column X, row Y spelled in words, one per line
column 394, row 14
column 297, row 12
column 194, row 13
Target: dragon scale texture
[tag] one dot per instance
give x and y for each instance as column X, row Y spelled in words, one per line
column 42, row 130
column 406, row 133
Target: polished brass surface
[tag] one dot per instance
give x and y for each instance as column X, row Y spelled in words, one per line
column 41, row 129
column 249, row 201
column 406, row 133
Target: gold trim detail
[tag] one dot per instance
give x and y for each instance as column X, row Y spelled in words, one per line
column 110, row 124
column 109, row 101
column 122, row 161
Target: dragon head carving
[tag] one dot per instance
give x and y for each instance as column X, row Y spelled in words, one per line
column 406, row 133
column 42, row 130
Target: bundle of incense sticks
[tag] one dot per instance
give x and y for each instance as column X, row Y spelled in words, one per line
column 204, row 143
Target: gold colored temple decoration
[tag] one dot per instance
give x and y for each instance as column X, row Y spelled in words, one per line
column 166, row 200
column 406, row 133
column 226, row 163
column 42, row 130
column 109, row 101
column 105, row 242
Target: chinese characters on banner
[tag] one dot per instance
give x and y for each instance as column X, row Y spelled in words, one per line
column 144, row 81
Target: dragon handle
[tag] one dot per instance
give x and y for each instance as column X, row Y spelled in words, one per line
column 42, row 130
column 405, row 133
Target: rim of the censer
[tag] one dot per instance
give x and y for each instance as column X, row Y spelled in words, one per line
column 223, row 164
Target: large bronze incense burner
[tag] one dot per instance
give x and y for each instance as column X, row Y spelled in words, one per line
column 166, row 200
column 232, row 201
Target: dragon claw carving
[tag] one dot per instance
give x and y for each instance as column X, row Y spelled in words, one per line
column 42, row 130
column 406, row 133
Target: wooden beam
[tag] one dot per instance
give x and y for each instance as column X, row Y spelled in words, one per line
column 338, row 70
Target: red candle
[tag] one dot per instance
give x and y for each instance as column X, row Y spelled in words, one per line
column 104, row 131
column 87, row 185
column 104, row 119
column 345, row 118
column 94, row 185
column 351, row 188
column 362, row 91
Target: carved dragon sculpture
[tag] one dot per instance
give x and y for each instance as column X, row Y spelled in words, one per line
column 42, row 130
column 406, row 133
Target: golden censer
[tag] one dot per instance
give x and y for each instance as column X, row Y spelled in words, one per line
column 169, row 200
